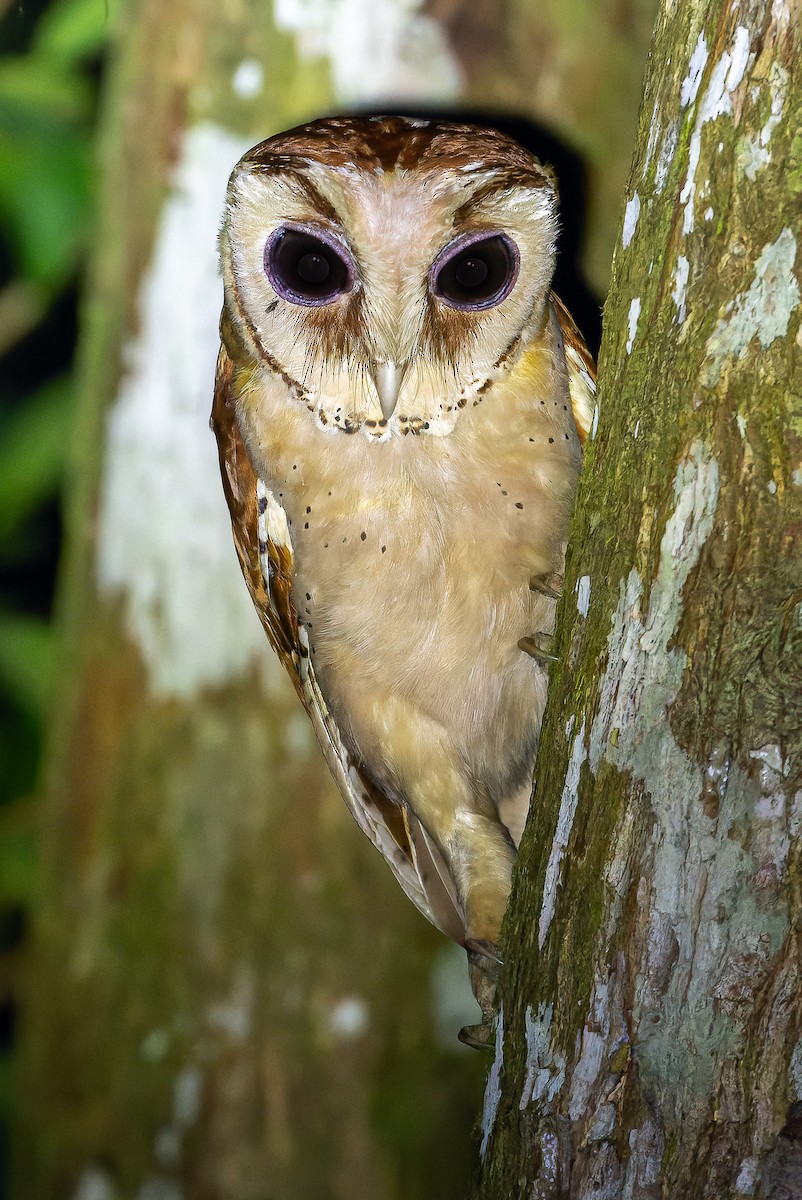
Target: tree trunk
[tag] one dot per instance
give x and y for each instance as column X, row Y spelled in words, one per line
column 229, row 997
column 650, row 1041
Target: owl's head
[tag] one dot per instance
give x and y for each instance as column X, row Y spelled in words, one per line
column 388, row 270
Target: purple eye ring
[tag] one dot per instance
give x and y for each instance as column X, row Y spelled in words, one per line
column 476, row 271
column 307, row 265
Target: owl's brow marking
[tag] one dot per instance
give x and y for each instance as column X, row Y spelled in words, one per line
column 503, row 179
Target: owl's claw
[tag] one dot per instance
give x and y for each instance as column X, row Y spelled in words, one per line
column 478, row 1037
column 550, row 585
column 482, row 948
column 538, row 646
column 485, row 969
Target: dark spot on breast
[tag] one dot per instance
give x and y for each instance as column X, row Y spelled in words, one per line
column 518, row 504
column 309, row 595
column 551, row 441
column 504, row 493
column 295, row 466
column 383, row 549
column 262, row 504
column 363, row 535
column 531, row 439
column 308, row 509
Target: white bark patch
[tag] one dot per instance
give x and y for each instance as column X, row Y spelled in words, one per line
column 666, row 157
column 593, row 1045
column 770, row 842
column 583, row 594
column 646, row 1146
column 562, row 834
column 493, row 1087
column 545, row 1068
column 690, row 84
column 795, row 1071
column 376, row 52
column 762, row 312
column 678, row 292
column 637, row 644
column 549, row 1148
column 754, row 152
column 716, row 101
column 654, row 134
column 632, row 323
column 164, row 538
column 631, row 214
column 747, row 1179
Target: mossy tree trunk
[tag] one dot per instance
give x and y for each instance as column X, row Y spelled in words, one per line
column 650, row 1044
column 229, row 997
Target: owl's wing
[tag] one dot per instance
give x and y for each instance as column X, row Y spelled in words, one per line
column 581, row 370
column 264, row 549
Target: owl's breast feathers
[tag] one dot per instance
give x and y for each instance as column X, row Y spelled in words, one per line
column 480, row 684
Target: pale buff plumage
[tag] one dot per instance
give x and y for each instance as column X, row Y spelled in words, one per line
column 406, row 546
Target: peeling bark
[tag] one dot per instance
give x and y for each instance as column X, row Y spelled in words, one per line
column 651, row 1034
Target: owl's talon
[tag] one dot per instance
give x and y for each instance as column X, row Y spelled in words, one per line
column 483, row 948
column 550, row 585
column 538, row 646
column 478, row 1037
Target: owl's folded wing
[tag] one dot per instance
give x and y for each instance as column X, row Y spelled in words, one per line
column 581, row 370
column 264, row 549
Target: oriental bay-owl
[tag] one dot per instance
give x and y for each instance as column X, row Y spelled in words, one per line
column 400, row 405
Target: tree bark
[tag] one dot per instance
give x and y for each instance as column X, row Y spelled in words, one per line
column 229, row 997
column 650, row 1038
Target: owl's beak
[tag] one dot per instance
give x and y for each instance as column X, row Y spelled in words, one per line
column 388, row 377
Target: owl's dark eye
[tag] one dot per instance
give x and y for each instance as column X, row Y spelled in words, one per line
column 475, row 272
column 307, row 268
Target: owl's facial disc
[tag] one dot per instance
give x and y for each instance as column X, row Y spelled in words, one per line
column 475, row 271
column 308, row 266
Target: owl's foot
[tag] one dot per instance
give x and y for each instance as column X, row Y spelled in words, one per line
column 484, row 964
column 550, row 585
column 478, row 1037
column 539, row 646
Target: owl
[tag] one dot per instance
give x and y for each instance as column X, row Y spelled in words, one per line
column 400, row 405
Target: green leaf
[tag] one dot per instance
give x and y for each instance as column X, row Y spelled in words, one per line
column 72, row 30
column 45, row 198
column 32, row 87
column 28, row 653
column 33, row 451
